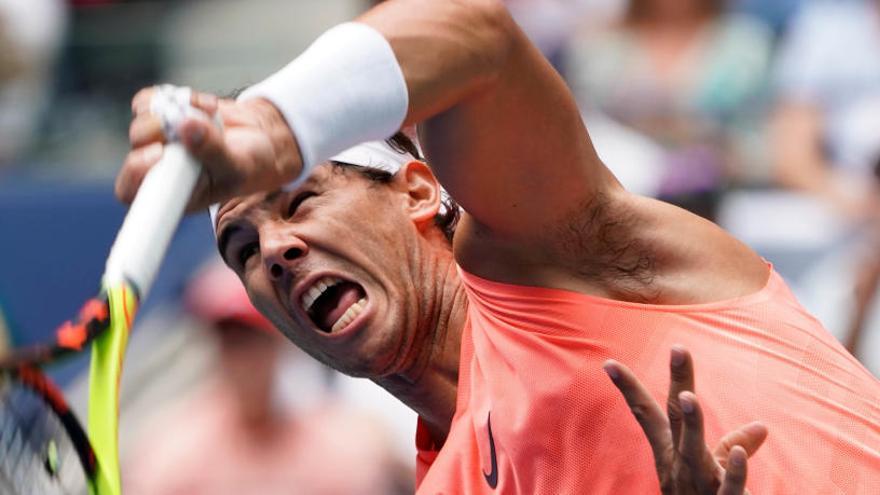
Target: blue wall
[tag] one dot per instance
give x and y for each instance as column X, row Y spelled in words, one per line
column 54, row 239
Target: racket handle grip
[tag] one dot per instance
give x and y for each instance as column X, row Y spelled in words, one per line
column 152, row 220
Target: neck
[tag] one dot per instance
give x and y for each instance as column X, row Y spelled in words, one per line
column 428, row 384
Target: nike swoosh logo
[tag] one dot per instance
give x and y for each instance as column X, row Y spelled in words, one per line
column 492, row 476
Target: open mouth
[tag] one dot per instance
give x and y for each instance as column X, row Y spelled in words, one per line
column 333, row 303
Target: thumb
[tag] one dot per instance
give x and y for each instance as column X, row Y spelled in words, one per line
column 206, row 143
column 203, row 140
column 750, row 437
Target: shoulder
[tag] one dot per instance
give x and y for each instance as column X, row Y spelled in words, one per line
column 593, row 247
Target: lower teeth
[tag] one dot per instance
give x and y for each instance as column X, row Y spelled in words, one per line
column 350, row 314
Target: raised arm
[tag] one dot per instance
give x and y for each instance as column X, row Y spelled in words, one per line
column 498, row 124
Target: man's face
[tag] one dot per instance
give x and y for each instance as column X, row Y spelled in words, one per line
column 328, row 264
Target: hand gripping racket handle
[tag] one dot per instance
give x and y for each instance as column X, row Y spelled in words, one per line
column 151, row 221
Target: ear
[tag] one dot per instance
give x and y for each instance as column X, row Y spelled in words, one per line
column 422, row 192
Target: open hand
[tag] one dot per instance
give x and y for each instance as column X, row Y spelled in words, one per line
column 685, row 466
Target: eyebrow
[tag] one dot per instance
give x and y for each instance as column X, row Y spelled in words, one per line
column 272, row 196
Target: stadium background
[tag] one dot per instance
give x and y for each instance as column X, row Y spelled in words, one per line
column 69, row 68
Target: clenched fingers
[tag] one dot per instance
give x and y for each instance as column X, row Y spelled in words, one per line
column 145, row 129
column 205, row 102
column 142, row 101
column 206, row 144
column 137, row 164
column 199, row 134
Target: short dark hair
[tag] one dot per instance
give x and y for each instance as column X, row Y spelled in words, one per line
column 447, row 218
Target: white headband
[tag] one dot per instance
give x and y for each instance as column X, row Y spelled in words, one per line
column 377, row 155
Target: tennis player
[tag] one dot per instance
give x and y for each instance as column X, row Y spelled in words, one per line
column 495, row 329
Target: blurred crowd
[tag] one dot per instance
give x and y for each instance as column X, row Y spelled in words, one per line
column 235, row 430
column 762, row 116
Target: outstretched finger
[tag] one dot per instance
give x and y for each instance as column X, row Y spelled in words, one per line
column 734, row 482
column 681, row 372
column 749, row 437
column 646, row 411
column 692, row 446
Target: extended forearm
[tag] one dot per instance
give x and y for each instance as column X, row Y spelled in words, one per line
column 402, row 63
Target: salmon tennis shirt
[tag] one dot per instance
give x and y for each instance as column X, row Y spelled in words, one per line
column 537, row 415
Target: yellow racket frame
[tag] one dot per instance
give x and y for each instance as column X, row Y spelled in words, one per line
column 105, row 373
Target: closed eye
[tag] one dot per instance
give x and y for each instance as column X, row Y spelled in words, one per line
column 298, row 200
column 237, row 245
column 246, row 252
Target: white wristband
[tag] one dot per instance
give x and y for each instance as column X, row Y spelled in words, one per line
column 345, row 89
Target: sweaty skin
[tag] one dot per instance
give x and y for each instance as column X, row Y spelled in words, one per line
column 381, row 237
column 504, row 136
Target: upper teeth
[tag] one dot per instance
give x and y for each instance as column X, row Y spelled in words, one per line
column 315, row 291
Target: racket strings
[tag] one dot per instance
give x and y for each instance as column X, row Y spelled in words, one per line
column 36, row 453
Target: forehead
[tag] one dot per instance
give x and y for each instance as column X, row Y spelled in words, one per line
column 238, row 205
column 323, row 177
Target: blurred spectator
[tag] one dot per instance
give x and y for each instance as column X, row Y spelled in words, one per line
column 30, row 36
column 776, row 13
column 828, row 110
column 865, row 291
column 825, row 133
column 231, row 436
column 550, row 23
column 690, row 76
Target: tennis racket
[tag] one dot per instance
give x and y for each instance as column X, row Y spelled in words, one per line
column 45, row 450
column 105, row 321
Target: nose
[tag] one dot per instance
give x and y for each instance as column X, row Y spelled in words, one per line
column 281, row 250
